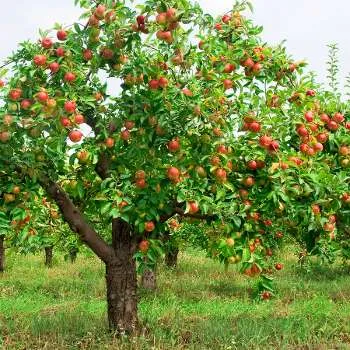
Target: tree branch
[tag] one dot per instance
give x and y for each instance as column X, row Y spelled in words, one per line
column 76, row 220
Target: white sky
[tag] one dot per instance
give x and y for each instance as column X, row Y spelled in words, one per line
column 307, row 25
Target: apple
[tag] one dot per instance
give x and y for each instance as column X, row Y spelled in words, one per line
column 69, row 77
column 309, row 116
column 252, row 165
column 265, row 141
column 193, row 207
column 15, row 94
column 129, row 124
column 70, row 106
column 149, row 226
column 174, row 145
column 278, row 266
column 7, row 119
column 229, row 68
column 171, row 14
column 100, row 11
column 42, row 96
column 79, row 119
column 311, row 93
column 26, row 104
column 226, row 19
column 144, row 246
column 338, row 117
column 87, row 55
column 329, row 227
column 325, row 118
column 322, row 137
column 4, row 136
column 125, row 135
column 60, row 52
column 107, row 53
column 332, row 125
column 218, row 26
column 230, row 242
column 221, row 175
column 46, row 43
column 141, row 183
column 254, row 126
column 248, row 63
column 201, row 171
column 161, row 18
column 187, row 92
column 75, row 135
column 54, row 67
column 153, row 84
column 173, row 173
column 249, row 181
column 257, row 67
column 109, row 142
column 344, row 150
column 83, row 156
column 302, row 131
column 163, row 82
column 316, row 209
column 61, row 35
column 65, row 122
column 318, row 147
column 228, row 84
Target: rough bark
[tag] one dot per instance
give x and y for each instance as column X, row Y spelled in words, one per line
column 171, row 257
column 149, row 280
column 122, row 280
column 2, row 253
column 48, row 256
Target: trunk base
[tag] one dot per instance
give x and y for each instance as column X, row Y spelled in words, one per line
column 121, row 281
column 48, row 256
column 171, row 257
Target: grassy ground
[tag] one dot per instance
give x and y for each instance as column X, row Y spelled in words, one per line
column 198, row 306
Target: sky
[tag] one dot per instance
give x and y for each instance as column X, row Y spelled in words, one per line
column 306, row 25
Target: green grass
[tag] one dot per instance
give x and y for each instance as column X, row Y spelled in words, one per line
column 197, row 306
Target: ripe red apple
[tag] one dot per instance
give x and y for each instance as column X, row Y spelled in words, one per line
column 141, row 183
column 318, row 147
column 2, row 83
column 153, row 84
column 69, row 77
column 129, row 124
column 109, row 142
column 332, row 219
column 228, row 84
column 252, row 165
column 316, row 209
column 46, row 43
column 83, row 156
column 221, row 175
column 42, row 96
column 125, row 135
column 75, row 135
column 345, row 197
column 274, row 146
column 60, row 52
column 248, row 63
column 243, row 193
column 163, row 82
column 107, row 53
column 140, row 174
column 254, row 126
column 309, row 116
column 311, row 93
column 325, row 118
column 329, row 227
column 39, row 60
column 62, row 35
column 332, row 125
column 100, row 11
column 347, row 125
column 222, row 149
column 149, row 226
column 5, row 136
column 344, row 150
column 65, row 122
column 161, row 18
column 174, row 145
column 229, row 68
column 79, row 119
column 173, row 173
column 226, row 19
column 26, row 104
column 249, row 181
column 87, row 55
column 187, row 92
column 54, row 67
column 70, row 106
column 15, row 94
column 171, row 14
column 144, row 246
column 302, row 131
column 338, row 118
column 278, row 266
column 193, row 207
column 257, row 67
column 218, row 26
column 322, row 138
column 265, row 141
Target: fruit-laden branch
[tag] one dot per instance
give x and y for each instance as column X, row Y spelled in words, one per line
column 76, row 220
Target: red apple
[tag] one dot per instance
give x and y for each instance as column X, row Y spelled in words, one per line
column 79, row 119
column 62, row 35
column 149, row 226
column 54, row 67
column 70, row 106
column 75, row 135
column 46, row 43
column 39, row 60
column 69, row 77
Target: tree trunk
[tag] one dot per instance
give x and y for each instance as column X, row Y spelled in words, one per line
column 2, row 253
column 48, row 256
column 171, row 257
column 149, row 280
column 122, row 280
column 73, row 255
